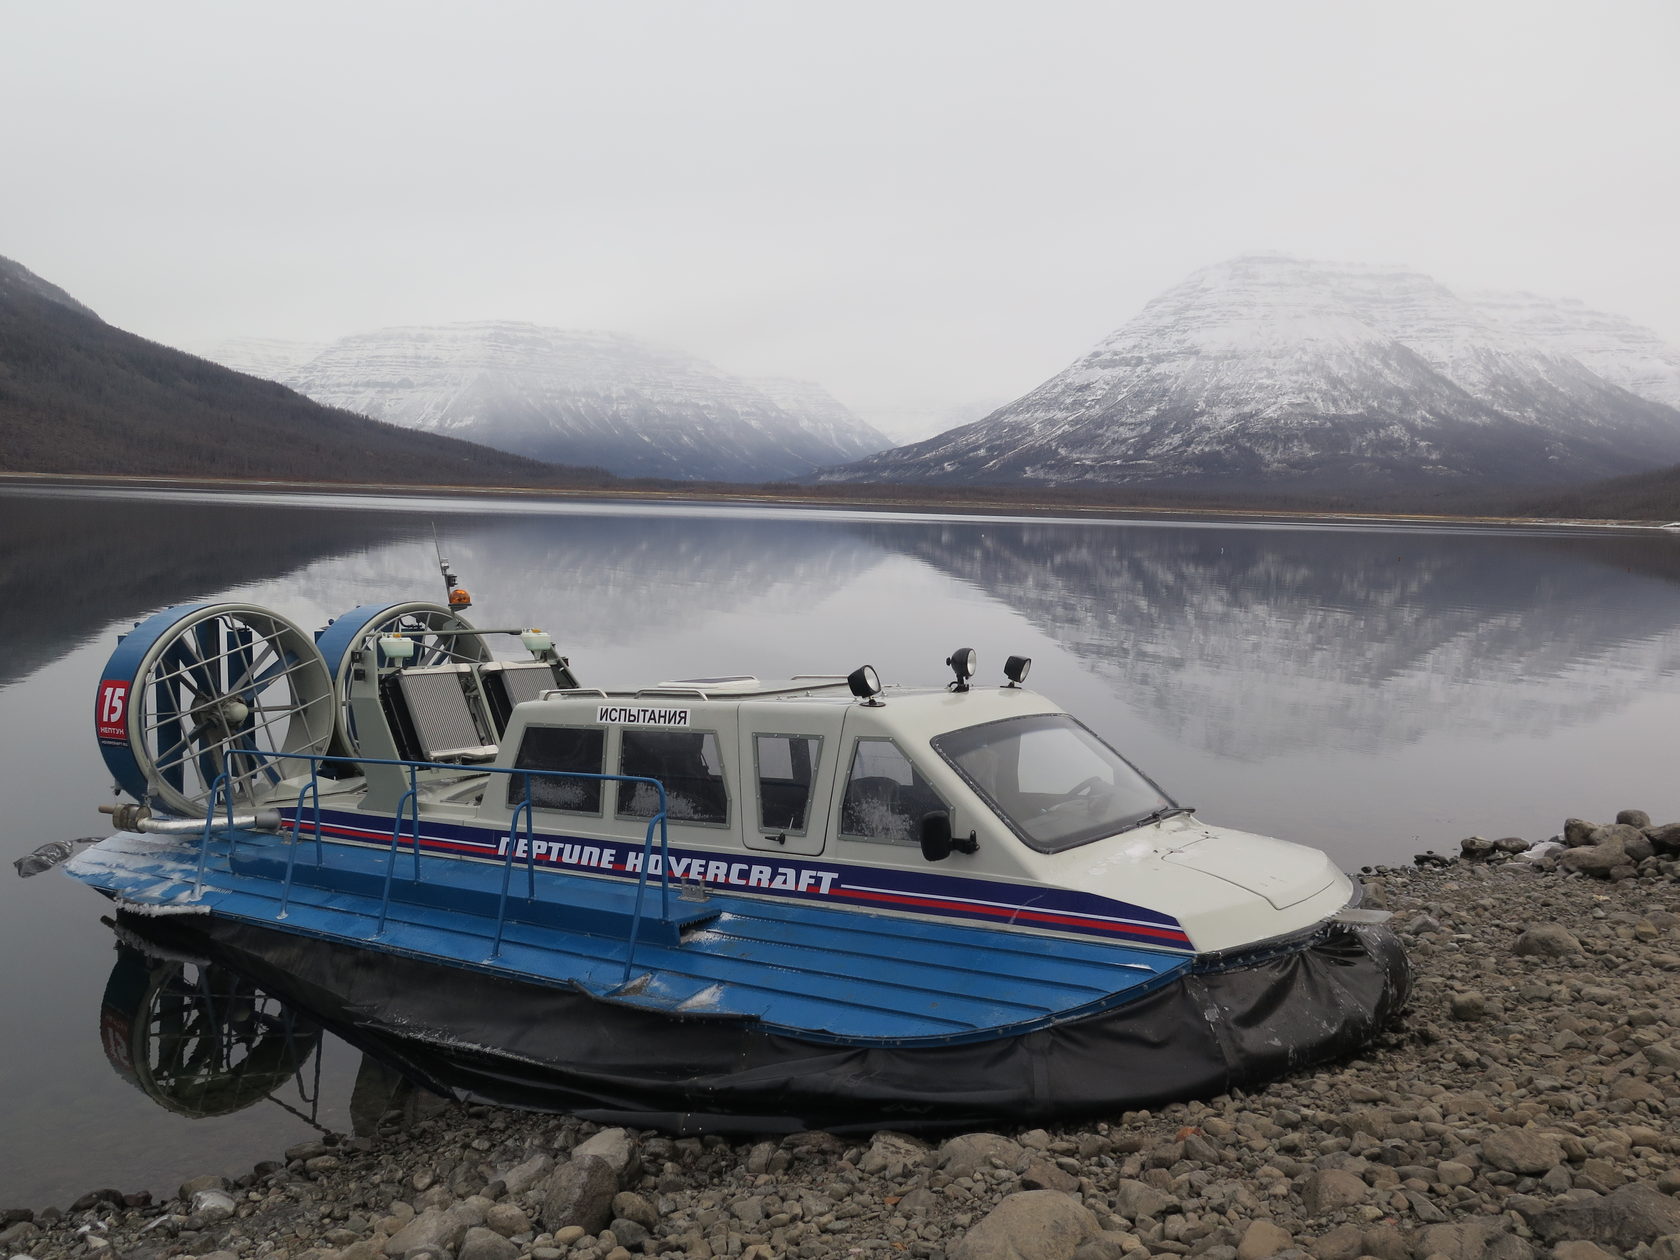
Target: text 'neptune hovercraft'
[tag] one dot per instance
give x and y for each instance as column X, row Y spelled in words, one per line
column 723, row 903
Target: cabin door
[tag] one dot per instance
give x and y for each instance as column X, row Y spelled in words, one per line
column 788, row 754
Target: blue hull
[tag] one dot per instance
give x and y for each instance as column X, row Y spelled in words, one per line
column 793, row 968
column 737, row 1013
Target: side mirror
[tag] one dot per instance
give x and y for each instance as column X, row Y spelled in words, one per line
column 936, row 835
column 937, row 841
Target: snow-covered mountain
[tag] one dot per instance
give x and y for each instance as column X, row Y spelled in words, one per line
column 1618, row 349
column 1267, row 370
column 822, row 415
column 272, row 358
column 588, row 398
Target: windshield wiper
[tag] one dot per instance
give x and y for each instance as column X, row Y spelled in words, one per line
column 1159, row 815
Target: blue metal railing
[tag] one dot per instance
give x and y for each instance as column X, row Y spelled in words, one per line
column 408, row 811
column 219, row 791
column 524, row 807
column 312, row 787
column 410, row 800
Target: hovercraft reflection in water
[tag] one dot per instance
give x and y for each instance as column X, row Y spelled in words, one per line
column 924, row 907
column 201, row 1041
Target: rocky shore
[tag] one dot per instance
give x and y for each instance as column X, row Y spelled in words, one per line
column 1524, row 1106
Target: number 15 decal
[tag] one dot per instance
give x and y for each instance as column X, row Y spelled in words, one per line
column 110, row 711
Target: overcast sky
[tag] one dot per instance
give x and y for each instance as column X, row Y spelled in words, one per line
column 921, row 206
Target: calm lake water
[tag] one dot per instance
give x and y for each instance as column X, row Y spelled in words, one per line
column 1368, row 690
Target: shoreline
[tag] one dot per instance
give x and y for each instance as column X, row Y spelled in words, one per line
column 978, row 505
column 1524, row 1105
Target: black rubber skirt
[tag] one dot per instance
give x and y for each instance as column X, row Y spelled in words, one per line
column 481, row 1037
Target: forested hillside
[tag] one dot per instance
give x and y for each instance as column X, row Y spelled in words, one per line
column 1650, row 496
column 80, row 396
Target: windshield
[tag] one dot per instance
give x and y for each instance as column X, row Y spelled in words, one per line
column 1055, row 783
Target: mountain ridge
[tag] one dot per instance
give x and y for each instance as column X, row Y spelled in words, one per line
column 80, row 396
column 1613, row 346
column 16, row 279
column 1272, row 371
column 583, row 396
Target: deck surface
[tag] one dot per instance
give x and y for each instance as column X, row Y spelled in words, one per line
column 807, row 971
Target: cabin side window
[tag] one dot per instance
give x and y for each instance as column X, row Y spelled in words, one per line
column 886, row 797
column 688, row 763
column 786, row 766
column 579, row 749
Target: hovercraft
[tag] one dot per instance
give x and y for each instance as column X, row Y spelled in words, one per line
column 723, row 903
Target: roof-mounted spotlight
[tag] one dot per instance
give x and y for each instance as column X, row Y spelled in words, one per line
column 962, row 663
column 865, row 684
column 1015, row 669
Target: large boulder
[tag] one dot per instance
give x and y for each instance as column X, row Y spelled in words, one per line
column 1386, row 1242
column 580, row 1192
column 1579, row 1249
column 1041, row 1174
column 213, row 1205
column 965, row 1155
column 1615, row 833
column 521, row 1177
column 1139, row 1201
column 1639, row 847
column 1577, row 830
column 1262, row 1240
column 190, row 1188
column 1478, row 1238
column 1528, row 1152
column 1597, row 860
column 891, row 1155
column 1331, row 1190
column 1636, row 1213
column 436, row 1229
column 1477, row 848
column 616, row 1147
column 1634, row 818
column 633, row 1207
column 1664, row 1056
column 1665, row 839
column 1547, row 940
column 1031, row 1225
column 1345, row 1242
column 480, row 1243
column 507, row 1219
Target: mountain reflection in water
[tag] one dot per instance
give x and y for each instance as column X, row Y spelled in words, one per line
column 1244, row 641
column 1253, row 642
column 71, row 566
